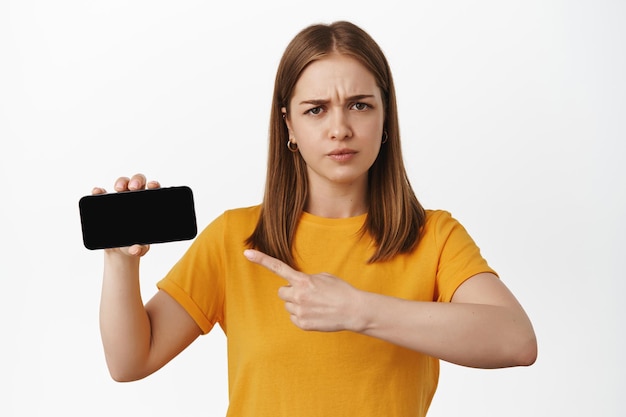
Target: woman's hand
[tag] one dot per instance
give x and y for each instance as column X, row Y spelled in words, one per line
column 138, row 339
column 136, row 182
column 484, row 326
column 320, row 302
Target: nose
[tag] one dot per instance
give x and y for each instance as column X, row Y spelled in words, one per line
column 340, row 128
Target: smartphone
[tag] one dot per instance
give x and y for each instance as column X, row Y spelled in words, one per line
column 138, row 217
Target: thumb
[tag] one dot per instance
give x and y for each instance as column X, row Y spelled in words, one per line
column 138, row 250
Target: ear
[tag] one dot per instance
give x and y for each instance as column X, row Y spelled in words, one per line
column 286, row 118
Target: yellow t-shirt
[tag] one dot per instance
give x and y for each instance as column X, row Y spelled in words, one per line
column 274, row 368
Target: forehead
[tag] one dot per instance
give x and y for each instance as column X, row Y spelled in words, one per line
column 336, row 74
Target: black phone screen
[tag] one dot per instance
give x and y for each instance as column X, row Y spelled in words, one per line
column 137, row 217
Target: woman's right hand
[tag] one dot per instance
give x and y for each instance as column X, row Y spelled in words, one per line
column 136, row 182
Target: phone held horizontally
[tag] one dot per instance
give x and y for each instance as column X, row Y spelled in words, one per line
column 138, row 217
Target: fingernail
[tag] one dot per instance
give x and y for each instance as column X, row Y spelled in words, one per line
column 248, row 254
column 133, row 184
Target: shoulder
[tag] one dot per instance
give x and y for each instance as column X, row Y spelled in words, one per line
column 441, row 226
column 434, row 214
column 242, row 214
column 235, row 221
column 232, row 227
column 436, row 220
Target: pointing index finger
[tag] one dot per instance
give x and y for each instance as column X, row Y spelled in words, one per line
column 275, row 265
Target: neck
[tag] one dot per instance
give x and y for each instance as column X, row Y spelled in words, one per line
column 337, row 202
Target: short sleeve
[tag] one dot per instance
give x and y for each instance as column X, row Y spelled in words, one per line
column 196, row 281
column 459, row 256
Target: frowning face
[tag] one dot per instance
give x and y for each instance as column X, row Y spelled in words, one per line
column 336, row 118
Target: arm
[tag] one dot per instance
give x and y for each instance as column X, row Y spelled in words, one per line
column 484, row 325
column 138, row 340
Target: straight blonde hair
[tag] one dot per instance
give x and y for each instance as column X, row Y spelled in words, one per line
column 395, row 217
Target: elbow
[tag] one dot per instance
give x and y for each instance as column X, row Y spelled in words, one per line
column 523, row 344
column 124, row 374
column 526, row 351
column 119, row 376
column 528, row 355
column 123, row 367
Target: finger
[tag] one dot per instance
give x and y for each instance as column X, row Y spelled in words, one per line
column 276, row 266
column 138, row 250
column 291, row 309
column 153, row 185
column 286, row 294
column 98, row 190
column 121, row 184
column 137, row 182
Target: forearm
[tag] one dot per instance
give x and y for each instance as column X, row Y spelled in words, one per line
column 475, row 335
column 124, row 323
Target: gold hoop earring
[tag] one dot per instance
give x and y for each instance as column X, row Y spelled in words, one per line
column 385, row 136
column 292, row 146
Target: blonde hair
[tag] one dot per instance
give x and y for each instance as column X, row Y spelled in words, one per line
column 395, row 217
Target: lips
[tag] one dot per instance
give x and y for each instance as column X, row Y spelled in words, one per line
column 342, row 154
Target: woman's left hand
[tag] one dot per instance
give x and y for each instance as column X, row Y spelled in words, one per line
column 319, row 302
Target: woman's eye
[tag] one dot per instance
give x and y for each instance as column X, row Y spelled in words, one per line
column 315, row 111
column 360, row 106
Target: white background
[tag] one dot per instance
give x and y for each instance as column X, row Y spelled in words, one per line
column 512, row 118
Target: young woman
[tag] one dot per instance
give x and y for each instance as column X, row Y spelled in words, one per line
column 340, row 292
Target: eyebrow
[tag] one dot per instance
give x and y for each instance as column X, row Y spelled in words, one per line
column 318, row 102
